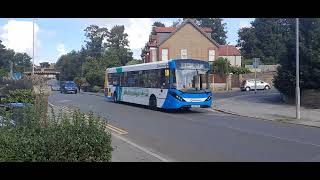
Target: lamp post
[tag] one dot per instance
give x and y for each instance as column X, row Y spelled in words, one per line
column 32, row 47
column 297, row 71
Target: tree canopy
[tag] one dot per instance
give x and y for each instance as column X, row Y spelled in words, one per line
column 20, row 61
column 103, row 49
column 219, row 32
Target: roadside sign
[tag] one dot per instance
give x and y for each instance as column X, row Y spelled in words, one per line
column 256, row 62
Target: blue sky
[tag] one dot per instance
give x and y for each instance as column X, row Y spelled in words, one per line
column 57, row 36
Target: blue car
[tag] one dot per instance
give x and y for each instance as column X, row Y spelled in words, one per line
column 69, row 87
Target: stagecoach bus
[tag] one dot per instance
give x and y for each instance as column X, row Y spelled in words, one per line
column 172, row 84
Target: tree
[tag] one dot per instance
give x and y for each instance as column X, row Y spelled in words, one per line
column 69, row 66
column 117, row 38
column 134, row 61
column 95, row 36
column 221, row 66
column 117, row 45
column 219, row 32
column 265, row 39
column 94, row 73
column 158, row 24
column 21, row 62
column 309, row 45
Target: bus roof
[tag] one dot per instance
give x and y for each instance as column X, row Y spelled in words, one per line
column 144, row 66
column 137, row 67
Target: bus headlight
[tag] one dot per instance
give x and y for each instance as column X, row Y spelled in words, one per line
column 177, row 97
column 209, row 98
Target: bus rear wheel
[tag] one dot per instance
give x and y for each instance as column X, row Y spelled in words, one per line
column 153, row 103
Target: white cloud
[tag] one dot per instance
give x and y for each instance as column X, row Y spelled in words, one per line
column 138, row 29
column 17, row 35
column 61, row 49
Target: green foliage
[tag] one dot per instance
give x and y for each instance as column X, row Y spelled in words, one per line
column 90, row 62
column 20, row 96
column 158, row 24
column 80, row 80
column 20, row 61
column 94, row 72
column 239, row 70
column 75, row 138
column 3, row 72
column 265, row 39
column 117, row 38
column 309, row 57
column 95, row 36
column 219, row 32
column 135, row 61
column 11, row 85
column 96, row 88
column 221, row 66
column 69, row 66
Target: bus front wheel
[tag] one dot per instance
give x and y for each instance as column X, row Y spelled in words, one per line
column 153, row 102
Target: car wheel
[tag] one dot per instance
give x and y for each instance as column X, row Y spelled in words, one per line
column 267, row 87
column 248, row 89
column 153, row 103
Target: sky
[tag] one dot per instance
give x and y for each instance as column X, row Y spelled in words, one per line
column 57, row 36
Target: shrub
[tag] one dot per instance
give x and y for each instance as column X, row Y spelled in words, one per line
column 20, row 96
column 10, row 85
column 96, row 89
column 239, row 70
column 63, row 139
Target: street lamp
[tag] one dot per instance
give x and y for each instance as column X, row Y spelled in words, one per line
column 33, row 47
column 297, row 71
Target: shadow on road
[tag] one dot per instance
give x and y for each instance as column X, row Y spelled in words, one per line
column 179, row 111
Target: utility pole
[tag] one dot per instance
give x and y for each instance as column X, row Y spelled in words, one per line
column 297, row 71
column 33, row 47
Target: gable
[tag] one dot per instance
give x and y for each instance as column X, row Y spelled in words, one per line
column 187, row 35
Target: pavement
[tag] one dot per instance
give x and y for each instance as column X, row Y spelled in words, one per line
column 200, row 135
column 265, row 105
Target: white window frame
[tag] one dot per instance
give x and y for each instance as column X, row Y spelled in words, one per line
column 211, row 54
column 184, row 54
column 165, row 54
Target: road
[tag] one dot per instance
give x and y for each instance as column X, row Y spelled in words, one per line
column 203, row 134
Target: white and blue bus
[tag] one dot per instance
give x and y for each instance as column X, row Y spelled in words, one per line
column 173, row 84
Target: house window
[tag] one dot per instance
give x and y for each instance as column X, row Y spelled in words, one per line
column 212, row 53
column 154, row 55
column 184, row 54
column 164, row 54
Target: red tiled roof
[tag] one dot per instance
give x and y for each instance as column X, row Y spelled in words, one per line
column 228, row 50
column 171, row 29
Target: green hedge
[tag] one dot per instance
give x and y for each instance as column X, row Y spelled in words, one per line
column 58, row 139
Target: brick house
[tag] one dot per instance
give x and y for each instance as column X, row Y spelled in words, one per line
column 187, row 41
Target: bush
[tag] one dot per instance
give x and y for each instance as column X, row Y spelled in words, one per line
column 239, row 70
column 20, row 96
column 96, row 89
column 76, row 138
column 10, row 85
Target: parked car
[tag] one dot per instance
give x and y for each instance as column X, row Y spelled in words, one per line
column 69, row 87
column 248, row 85
column 55, row 87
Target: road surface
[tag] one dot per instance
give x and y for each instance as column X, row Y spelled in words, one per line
column 202, row 134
